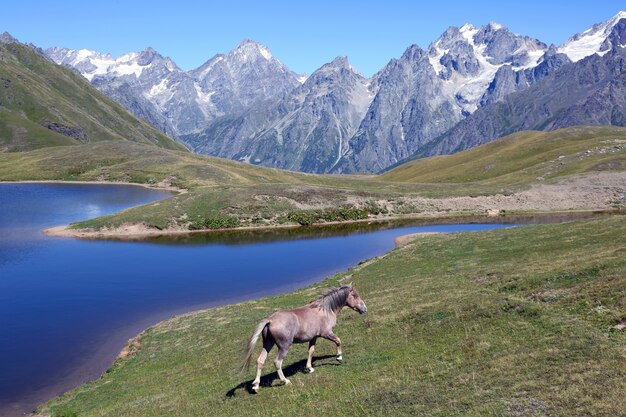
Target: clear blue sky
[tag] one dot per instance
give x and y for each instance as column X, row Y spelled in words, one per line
column 304, row 35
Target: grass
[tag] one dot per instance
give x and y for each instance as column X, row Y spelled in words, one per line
column 226, row 193
column 522, row 158
column 506, row 322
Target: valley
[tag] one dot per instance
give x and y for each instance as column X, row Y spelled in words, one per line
column 174, row 208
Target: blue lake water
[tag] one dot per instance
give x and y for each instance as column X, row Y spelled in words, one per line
column 68, row 306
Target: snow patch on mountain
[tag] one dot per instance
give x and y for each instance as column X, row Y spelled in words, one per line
column 592, row 41
column 91, row 63
column 468, row 58
column 157, row 89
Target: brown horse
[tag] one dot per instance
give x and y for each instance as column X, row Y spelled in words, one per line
column 300, row 325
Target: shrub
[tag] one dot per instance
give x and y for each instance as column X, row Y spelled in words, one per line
column 214, row 222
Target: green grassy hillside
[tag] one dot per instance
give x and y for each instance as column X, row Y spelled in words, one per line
column 511, row 322
column 523, row 157
column 44, row 104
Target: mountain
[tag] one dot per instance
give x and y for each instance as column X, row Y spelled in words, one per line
column 307, row 130
column 247, row 105
column 595, row 40
column 425, row 93
column 408, row 109
column 43, row 104
column 341, row 123
column 155, row 89
column 591, row 90
column 470, row 85
column 245, row 75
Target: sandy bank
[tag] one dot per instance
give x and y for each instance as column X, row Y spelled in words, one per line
column 132, row 231
column 404, row 240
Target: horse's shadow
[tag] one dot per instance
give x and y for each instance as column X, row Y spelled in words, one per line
column 294, row 368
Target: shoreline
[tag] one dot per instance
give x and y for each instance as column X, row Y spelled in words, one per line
column 130, row 345
column 487, row 211
column 133, row 344
column 135, row 232
column 161, row 186
column 404, row 240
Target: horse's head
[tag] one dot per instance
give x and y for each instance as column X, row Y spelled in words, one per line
column 355, row 302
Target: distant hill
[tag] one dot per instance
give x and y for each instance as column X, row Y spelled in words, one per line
column 523, row 157
column 43, row 104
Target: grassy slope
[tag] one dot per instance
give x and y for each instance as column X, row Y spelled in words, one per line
column 506, row 322
column 226, row 193
column 34, row 91
column 522, row 157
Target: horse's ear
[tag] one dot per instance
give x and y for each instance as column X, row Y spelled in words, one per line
column 351, row 285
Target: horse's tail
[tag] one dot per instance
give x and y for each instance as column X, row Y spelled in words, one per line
column 252, row 342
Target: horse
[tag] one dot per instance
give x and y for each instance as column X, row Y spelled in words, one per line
column 301, row 325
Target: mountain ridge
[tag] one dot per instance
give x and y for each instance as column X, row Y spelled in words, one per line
column 589, row 91
column 230, row 105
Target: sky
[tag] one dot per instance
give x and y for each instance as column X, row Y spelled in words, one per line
column 303, row 35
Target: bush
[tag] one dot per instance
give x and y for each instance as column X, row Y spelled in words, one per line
column 308, row 217
column 215, row 222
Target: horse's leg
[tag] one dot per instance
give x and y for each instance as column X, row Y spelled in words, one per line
column 309, row 365
column 333, row 338
column 268, row 343
column 282, row 352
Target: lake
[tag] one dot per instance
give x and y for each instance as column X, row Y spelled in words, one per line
column 68, row 306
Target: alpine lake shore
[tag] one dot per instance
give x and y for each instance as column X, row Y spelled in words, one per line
column 522, row 321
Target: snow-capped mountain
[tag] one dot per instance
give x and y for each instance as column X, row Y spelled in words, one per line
column 308, row 130
column 91, row 63
column 425, row 93
column 155, row 88
column 247, row 105
column 595, row 40
column 589, row 91
column 246, row 74
column 467, row 59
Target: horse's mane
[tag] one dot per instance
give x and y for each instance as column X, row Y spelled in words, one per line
column 333, row 299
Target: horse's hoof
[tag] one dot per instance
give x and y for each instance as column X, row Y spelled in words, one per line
column 287, row 382
column 339, row 358
column 310, row 370
column 255, row 389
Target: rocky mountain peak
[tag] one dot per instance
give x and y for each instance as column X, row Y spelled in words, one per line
column 617, row 37
column 7, row 38
column 412, row 53
column 340, row 62
column 337, row 74
column 150, row 56
column 146, row 56
column 468, row 58
column 495, row 26
column 249, row 50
